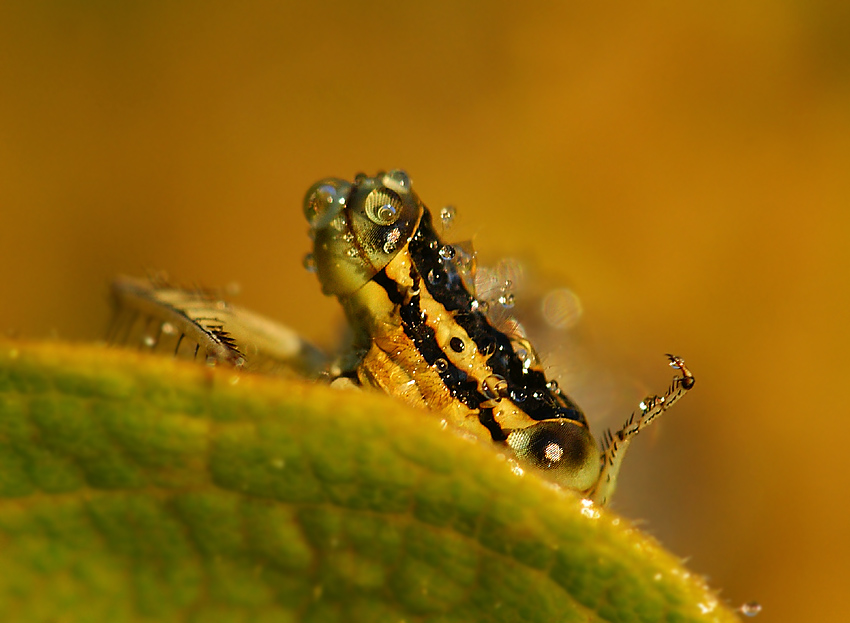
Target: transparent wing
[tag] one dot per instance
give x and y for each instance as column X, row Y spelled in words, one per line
column 197, row 324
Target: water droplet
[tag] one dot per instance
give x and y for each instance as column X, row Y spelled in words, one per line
column 447, row 216
column 441, row 364
column 553, row 387
column 507, row 301
column 433, row 245
column 398, row 181
column 309, row 262
column 348, row 237
column 351, row 253
column 320, row 205
column 519, row 395
column 750, row 609
column 387, row 213
column 168, row 328
column 436, row 277
column 447, row 252
column 495, row 387
column 474, row 305
column 149, row 341
column 589, row 510
column 389, row 246
column 561, row 309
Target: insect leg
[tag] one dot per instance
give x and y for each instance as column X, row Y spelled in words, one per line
column 614, row 444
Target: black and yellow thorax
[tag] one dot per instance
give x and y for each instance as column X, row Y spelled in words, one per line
column 423, row 336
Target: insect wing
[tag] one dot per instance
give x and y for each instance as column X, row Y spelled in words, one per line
column 196, row 324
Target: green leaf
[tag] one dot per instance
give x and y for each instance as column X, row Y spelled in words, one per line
column 137, row 488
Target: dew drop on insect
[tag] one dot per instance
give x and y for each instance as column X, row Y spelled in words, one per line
column 149, row 341
column 507, row 300
column 441, row 364
column 447, row 216
column 348, row 237
column 750, row 609
column 309, row 262
column 168, row 329
column 495, row 387
column 351, row 253
column 553, row 387
column 318, row 206
column 435, row 277
column 519, row 395
column 447, row 252
column 386, row 214
column 487, row 348
column 398, row 181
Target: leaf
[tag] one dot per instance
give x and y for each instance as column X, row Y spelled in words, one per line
column 136, row 488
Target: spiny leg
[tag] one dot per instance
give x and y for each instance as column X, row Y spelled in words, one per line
column 614, row 444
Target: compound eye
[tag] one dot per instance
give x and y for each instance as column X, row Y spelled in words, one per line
column 383, row 206
column 564, row 449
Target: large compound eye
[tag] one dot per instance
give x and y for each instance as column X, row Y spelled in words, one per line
column 562, row 448
column 383, row 206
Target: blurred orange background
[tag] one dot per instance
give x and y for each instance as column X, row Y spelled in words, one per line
column 684, row 169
